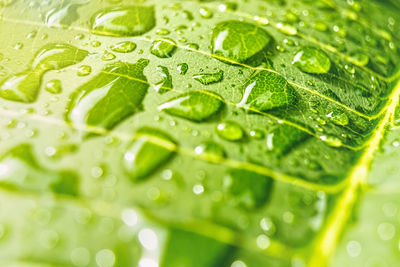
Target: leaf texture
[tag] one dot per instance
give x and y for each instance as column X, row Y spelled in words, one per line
column 199, row 133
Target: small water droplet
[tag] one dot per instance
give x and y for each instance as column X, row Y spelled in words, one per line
column 209, row 78
column 230, row 131
column 182, row 68
column 123, row 47
column 84, row 70
column 53, row 86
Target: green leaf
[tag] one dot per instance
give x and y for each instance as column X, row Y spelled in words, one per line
column 222, row 133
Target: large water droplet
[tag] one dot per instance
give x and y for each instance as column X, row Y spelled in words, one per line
column 124, row 21
column 312, row 60
column 110, row 97
column 163, row 48
column 150, row 149
column 240, row 42
column 230, row 130
column 265, row 91
column 165, row 84
column 24, row 87
column 64, row 14
column 194, row 105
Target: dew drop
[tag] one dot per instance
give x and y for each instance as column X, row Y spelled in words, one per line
column 163, row 48
column 312, row 60
column 230, row 131
column 124, row 21
column 53, row 86
column 123, row 47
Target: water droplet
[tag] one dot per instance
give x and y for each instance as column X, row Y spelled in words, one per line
column 182, row 68
column 18, row 46
column 95, row 43
column 64, row 14
column 150, row 149
column 163, row 48
column 123, row 47
column 124, row 21
column 210, row 151
column 209, row 78
column 286, row 29
column 24, row 87
column 163, row 32
column 331, row 140
column 109, row 97
column 240, row 42
column 165, row 85
column 192, row 47
column 312, row 60
column 266, row 90
column 230, row 131
column 194, row 105
column 229, row 6
column 338, row 118
column 84, row 70
column 256, row 134
column 205, row 13
column 107, row 56
column 53, row 86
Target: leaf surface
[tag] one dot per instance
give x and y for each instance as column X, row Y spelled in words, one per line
column 198, row 133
